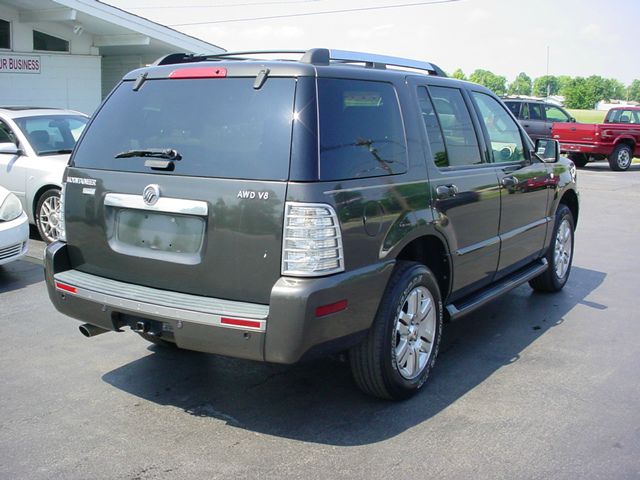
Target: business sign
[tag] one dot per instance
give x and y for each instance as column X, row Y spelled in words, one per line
column 19, row 63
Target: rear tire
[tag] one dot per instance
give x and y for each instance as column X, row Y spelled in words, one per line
column 559, row 255
column 580, row 159
column 621, row 157
column 396, row 357
column 48, row 215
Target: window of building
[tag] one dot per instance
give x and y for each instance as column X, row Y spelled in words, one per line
column 5, row 34
column 49, row 43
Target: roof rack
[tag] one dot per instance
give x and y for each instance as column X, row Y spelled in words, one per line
column 315, row 56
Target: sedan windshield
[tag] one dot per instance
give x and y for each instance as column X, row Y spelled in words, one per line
column 52, row 134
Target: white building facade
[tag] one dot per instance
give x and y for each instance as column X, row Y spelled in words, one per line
column 71, row 53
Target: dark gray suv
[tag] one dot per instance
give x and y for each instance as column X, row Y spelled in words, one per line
column 536, row 116
column 279, row 210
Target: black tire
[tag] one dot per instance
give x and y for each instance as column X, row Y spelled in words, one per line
column 374, row 364
column 550, row 280
column 157, row 340
column 580, row 159
column 621, row 157
column 47, row 222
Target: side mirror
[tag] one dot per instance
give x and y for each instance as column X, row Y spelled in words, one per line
column 572, row 120
column 547, row 150
column 10, row 149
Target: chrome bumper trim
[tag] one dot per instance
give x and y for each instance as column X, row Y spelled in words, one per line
column 192, row 308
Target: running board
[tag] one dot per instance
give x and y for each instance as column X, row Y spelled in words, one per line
column 475, row 301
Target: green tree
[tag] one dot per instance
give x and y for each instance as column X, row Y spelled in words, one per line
column 459, row 74
column 563, row 82
column 615, row 89
column 577, row 94
column 521, row 85
column 545, row 85
column 490, row 80
column 633, row 91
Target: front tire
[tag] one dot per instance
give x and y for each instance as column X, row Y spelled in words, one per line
column 396, row 357
column 580, row 159
column 559, row 255
column 620, row 158
column 48, row 215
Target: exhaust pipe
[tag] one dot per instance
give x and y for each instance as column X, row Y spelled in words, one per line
column 89, row 330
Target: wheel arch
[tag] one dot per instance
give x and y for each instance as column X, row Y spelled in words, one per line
column 570, row 199
column 431, row 251
column 38, row 194
column 630, row 142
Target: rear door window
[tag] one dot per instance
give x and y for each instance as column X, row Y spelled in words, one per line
column 532, row 111
column 220, row 127
column 457, row 128
column 361, row 130
column 514, row 107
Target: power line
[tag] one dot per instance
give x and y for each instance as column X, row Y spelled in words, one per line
column 227, row 5
column 308, row 14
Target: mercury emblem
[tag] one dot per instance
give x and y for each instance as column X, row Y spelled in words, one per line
column 151, row 194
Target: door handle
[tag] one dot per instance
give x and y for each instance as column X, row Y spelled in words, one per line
column 509, row 181
column 446, row 191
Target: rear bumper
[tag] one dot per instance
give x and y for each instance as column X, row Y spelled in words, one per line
column 14, row 236
column 281, row 332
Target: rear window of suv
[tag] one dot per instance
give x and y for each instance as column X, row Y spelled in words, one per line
column 220, row 127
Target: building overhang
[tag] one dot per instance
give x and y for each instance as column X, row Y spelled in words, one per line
column 114, row 31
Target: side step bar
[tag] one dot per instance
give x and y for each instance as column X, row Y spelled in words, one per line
column 469, row 304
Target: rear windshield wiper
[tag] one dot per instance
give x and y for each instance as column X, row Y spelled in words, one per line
column 168, row 153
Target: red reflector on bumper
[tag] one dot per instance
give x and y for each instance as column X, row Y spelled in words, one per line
column 240, row 322
column 331, row 308
column 66, row 288
column 199, row 72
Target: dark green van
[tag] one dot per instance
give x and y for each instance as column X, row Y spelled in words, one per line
column 279, row 210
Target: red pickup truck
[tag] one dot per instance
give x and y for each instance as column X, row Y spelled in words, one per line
column 617, row 139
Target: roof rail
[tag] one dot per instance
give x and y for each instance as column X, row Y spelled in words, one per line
column 315, row 56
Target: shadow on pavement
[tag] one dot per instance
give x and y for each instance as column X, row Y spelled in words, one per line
column 318, row 402
column 603, row 166
column 19, row 274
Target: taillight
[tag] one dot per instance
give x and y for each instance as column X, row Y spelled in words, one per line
column 312, row 241
column 62, row 232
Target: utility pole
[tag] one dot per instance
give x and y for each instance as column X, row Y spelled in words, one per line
column 548, row 81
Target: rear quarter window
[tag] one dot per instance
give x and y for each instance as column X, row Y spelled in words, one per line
column 361, row 130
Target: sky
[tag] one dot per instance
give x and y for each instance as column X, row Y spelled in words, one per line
column 582, row 37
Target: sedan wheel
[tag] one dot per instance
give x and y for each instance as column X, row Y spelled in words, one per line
column 48, row 218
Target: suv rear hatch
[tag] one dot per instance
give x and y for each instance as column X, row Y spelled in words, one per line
column 204, row 219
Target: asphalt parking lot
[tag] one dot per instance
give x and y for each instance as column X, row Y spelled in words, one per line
column 533, row 386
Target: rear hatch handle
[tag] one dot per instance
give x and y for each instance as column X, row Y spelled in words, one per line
column 169, row 154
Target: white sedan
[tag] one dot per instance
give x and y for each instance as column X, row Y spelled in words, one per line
column 35, row 145
column 14, row 227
